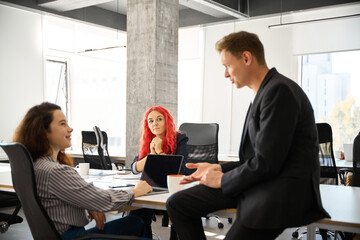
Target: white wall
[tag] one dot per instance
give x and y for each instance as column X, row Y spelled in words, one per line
column 190, row 75
column 21, row 66
column 226, row 105
column 217, row 91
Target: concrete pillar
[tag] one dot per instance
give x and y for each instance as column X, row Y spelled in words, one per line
column 152, row 63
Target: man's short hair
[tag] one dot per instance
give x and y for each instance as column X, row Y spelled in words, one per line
column 237, row 43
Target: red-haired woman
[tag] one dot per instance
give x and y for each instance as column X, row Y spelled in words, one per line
column 64, row 194
column 159, row 137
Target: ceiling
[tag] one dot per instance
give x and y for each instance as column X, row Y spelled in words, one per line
column 112, row 13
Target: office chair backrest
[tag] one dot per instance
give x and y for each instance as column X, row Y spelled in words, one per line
column 356, row 162
column 203, row 141
column 94, row 154
column 328, row 171
column 23, row 177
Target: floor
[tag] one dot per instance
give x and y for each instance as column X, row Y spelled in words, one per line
column 22, row 232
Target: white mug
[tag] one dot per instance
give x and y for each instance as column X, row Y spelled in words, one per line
column 173, row 183
column 337, row 154
column 83, row 168
column 348, row 152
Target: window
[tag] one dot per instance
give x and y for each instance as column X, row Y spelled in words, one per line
column 332, row 83
column 90, row 84
column 57, row 84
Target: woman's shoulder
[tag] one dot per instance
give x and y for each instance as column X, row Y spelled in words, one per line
column 47, row 163
column 181, row 136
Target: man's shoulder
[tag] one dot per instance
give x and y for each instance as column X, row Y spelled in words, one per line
column 279, row 81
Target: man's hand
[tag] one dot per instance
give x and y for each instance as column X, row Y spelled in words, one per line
column 202, row 168
column 212, row 178
column 99, row 217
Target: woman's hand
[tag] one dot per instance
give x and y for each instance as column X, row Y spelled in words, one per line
column 152, row 147
column 99, row 217
column 157, row 143
column 139, row 165
column 141, row 189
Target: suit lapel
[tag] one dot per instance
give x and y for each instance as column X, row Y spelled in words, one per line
column 244, row 133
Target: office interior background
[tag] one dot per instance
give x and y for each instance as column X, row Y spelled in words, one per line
column 45, row 57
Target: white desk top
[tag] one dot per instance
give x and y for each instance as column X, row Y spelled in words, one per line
column 5, row 178
column 225, row 157
column 343, row 164
column 342, row 203
column 231, row 157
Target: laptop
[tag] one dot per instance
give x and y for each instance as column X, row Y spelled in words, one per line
column 156, row 169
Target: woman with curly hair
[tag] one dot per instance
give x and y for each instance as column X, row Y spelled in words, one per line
column 64, row 194
column 159, row 137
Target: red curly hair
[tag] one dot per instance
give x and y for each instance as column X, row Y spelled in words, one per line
column 169, row 140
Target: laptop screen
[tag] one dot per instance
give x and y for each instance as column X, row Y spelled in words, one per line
column 157, row 167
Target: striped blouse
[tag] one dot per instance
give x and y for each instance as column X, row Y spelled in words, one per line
column 65, row 195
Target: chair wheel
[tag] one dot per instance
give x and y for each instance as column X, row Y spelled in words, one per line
column 220, row 225
column 4, row 226
column 295, row 234
column 230, row 220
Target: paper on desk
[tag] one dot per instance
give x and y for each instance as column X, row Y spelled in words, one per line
column 127, row 176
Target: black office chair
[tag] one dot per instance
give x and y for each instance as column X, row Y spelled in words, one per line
column 23, row 177
column 203, row 142
column 9, row 199
column 328, row 171
column 202, row 147
column 95, row 151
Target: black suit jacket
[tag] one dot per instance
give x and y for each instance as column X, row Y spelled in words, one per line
column 276, row 181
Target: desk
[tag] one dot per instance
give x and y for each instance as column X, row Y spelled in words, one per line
column 343, row 205
column 120, row 160
column 223, row 158
column 226, row 157
column 341, row 202
column 344, row 164
column 5, row 178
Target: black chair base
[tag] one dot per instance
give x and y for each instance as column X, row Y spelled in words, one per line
column 8, row 219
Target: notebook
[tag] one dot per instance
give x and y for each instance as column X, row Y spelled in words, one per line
column 156, row 169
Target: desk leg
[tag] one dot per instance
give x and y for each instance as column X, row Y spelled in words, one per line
column 311, row 232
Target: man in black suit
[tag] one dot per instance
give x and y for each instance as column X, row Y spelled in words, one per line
column 275, row 184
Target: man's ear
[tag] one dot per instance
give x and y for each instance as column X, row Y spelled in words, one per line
column 247, row 56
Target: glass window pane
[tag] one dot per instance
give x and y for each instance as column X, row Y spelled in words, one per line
column 332, row 83
column 56, row 83
column 99, row 99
